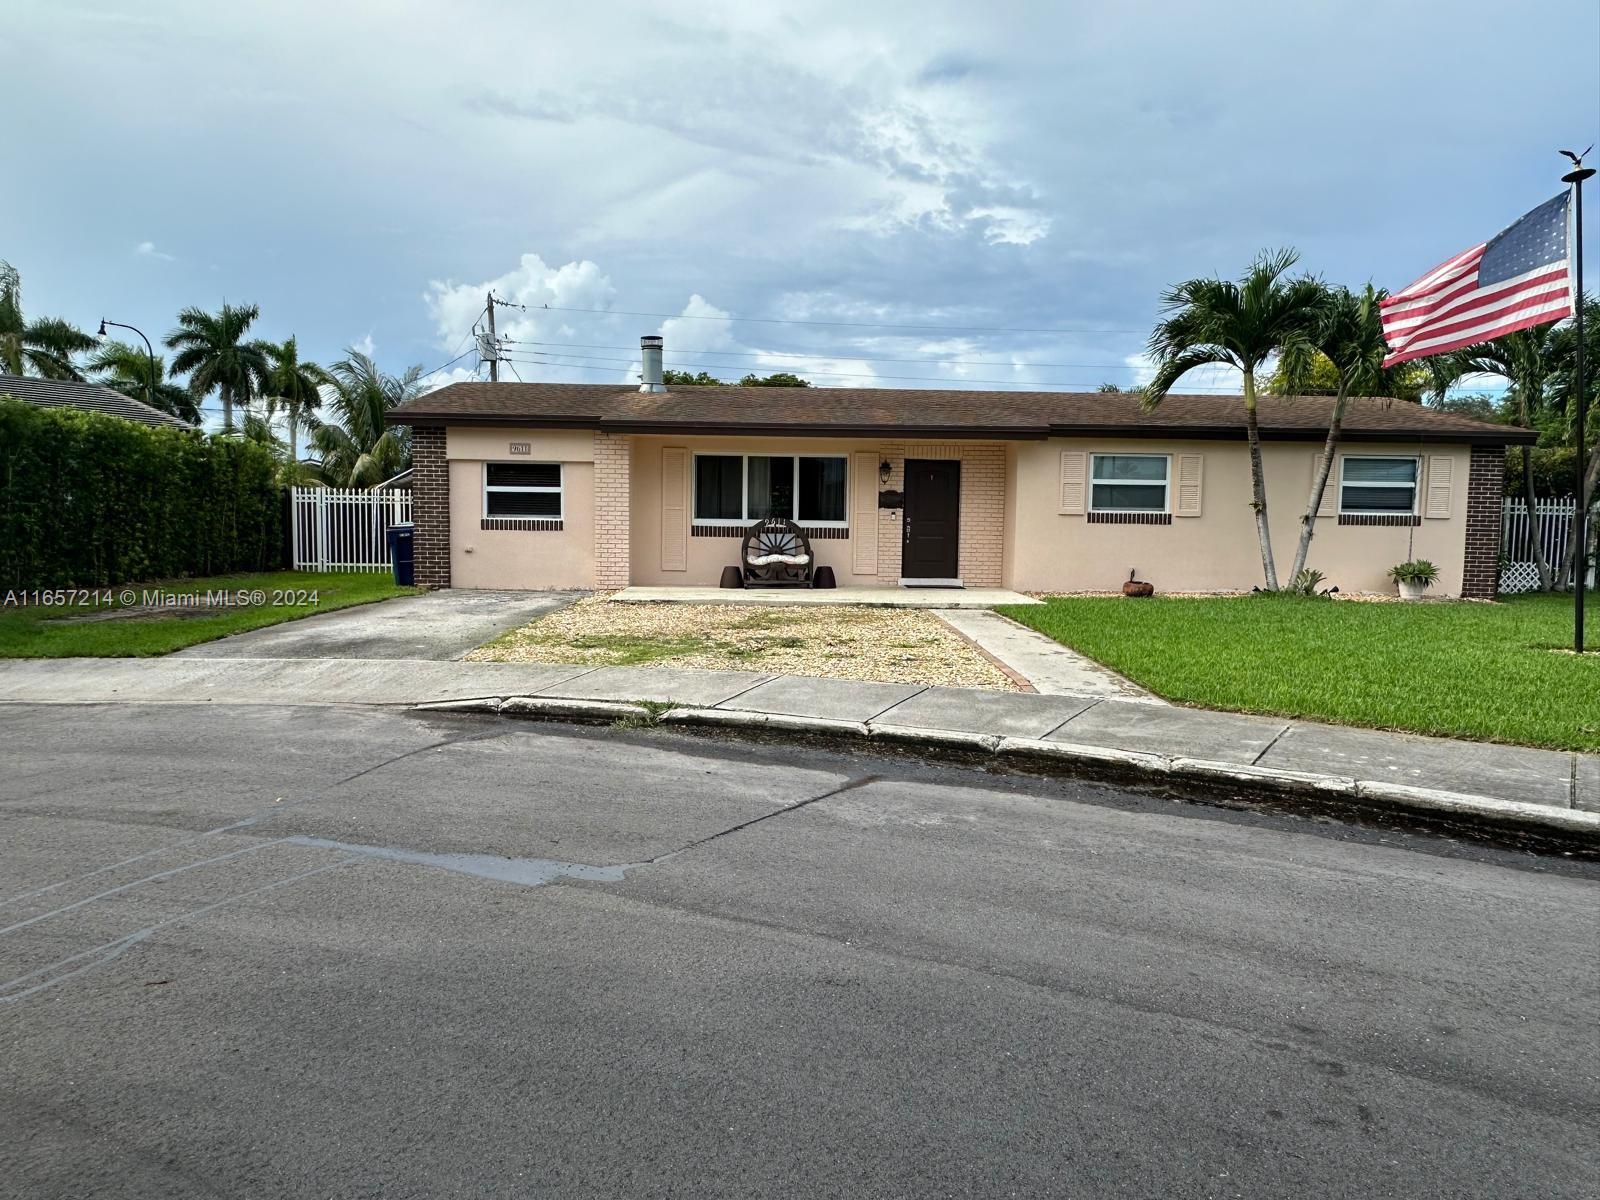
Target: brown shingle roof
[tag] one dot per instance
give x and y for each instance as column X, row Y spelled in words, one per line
column 90, row 397
column 893, row 412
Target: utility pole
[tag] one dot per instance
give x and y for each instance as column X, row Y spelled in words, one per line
column 494, row 345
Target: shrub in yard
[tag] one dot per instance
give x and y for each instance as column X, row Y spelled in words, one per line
column 88, row 500
column 1307, row 582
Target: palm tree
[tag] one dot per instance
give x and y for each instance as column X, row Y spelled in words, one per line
column 212, row 352
column 1241, row 325
column 1525, row 360
column 361, row 449
column 126, row 369
column 46, row 346
column 1347, row 336
column 294, row 386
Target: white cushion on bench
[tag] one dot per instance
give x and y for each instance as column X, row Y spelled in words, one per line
column 788, row 560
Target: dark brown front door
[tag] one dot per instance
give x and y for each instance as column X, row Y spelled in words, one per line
column 933, row 519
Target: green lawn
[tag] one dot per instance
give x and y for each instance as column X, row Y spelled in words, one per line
column 1482, row 671
column 38, row 631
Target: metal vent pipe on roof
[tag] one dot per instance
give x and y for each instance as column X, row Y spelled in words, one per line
column 650, row 357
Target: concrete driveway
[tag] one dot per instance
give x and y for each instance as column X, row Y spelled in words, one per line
column 437, row 625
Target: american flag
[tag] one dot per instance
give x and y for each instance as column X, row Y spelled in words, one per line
column 1517, row 279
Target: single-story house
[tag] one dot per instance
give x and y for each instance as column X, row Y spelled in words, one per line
column 90, row 397
column 561, row 485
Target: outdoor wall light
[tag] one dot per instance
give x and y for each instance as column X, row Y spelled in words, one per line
column 884, row 471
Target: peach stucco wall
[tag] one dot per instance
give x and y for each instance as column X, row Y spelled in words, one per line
column 521, row 558
column 868, row 557
column 1012, row 530
column 706, row 556
column 1049, row 551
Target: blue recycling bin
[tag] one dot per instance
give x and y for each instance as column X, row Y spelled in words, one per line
column 402, row 554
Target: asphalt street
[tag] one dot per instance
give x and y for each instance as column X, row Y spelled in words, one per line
column 347, row 952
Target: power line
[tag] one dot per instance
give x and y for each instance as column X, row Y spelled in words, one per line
column 962, row 362
column 1010, row 383
column 624, row 312
column 680, row 364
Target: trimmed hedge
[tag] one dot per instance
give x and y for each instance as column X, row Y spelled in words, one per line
column 88, row 500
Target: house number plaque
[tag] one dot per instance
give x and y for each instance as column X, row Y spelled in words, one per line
column 522, row 447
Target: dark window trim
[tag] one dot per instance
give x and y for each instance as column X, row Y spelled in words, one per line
column 1389, row 519
column 527, row 524
column 817, row 533
column 1129, row 518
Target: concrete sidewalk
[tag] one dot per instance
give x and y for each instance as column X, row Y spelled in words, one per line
column 1548, row 788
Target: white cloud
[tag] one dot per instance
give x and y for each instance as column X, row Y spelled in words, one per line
column 1011, row 226
column 1202, row 379
column 148, row 250
column 702, row 326
column 365, row 345
column 533, row 324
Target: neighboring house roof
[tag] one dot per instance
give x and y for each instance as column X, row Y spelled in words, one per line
column 90, row 397
column 904, row 412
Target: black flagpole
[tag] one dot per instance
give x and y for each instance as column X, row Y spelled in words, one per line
column 1580, row 565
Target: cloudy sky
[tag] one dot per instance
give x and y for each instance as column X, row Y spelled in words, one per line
column 894, row 192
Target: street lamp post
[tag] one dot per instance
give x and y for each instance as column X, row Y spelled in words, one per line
column 150, row 394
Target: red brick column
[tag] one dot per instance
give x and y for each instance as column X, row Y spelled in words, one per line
column 1480, row 578
column 430, row 505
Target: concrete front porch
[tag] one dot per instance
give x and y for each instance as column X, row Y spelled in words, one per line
column 879, row 597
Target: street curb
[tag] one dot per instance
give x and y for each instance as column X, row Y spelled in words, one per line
column 580, row 710
column 1371, row 796
column 949, row 738
column 482, row 704
column 736, row 719
column 1512, row 812
column 1135, row 761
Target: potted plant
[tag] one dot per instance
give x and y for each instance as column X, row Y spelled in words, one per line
column 1414, row 578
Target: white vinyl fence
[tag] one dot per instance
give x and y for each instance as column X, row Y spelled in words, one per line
column 1553, row 524
column 345, row 529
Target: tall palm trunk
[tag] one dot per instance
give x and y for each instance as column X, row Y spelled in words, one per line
column 226, row 393
column 1258, row 480
column 291, row 419
column 1535, row 546
column 1319, row 484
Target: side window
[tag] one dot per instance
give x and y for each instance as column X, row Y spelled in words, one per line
column 531, row 490
column 1378, row 486
column 1129, row 483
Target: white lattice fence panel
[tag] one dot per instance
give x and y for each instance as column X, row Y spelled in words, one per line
column 1517, row 577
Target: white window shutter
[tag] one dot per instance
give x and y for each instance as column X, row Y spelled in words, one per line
column 1191, row 480
column 1330, row 493
column 1074, row 472
column 1441, row 486
column 674, row 509
column 864, row 512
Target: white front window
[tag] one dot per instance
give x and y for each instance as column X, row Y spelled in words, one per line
column 522, row 491
column 1129, row 483
column 737, row 489
column 1378, row 485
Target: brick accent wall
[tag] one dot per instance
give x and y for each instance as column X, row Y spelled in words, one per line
column 1480, row 577
column 613, row 484
column 981, row 548
column 430, row 499
column 983, row 515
